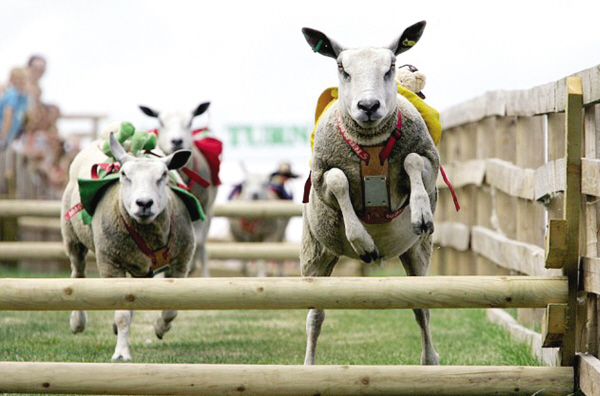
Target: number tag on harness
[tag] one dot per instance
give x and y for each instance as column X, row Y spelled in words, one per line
column 376, row 191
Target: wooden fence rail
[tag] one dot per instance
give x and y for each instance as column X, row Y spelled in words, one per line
column 51, row 208
column 44, row 251
column 261, row 380
column 282, row 293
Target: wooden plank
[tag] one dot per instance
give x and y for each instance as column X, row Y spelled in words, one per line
column 554, row 325
column 462, row 174
column 282, row 293
column 263, row 380
column 571, row 210
column 508, row 253
column 591, row 274
column 590, row 176
column 589, row 374
column 549, row 180
column 556, row 243
column 511, row 179
column 452, row 234
column 543, row 99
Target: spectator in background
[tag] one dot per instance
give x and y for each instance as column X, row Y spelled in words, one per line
column 36, row 67
column 13, row 105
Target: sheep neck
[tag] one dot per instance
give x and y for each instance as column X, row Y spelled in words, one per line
column 157, row 230
column 370, row 136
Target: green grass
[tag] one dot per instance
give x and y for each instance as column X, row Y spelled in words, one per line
column 461, row 337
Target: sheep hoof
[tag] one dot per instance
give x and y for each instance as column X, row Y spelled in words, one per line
column 370, row 256
column 78, row 321
column 160, row 328
column 423, row 227
column 124, row 356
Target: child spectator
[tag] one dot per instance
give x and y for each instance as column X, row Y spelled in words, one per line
column 13, row 105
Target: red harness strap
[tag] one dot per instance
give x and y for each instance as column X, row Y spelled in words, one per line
column 375, row 214
column 160, row 258
column 385, row 153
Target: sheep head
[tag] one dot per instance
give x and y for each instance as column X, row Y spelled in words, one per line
column 174, row 132
column 144, row 180
column 367, row 89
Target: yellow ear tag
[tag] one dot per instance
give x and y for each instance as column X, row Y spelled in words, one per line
column 408, row 43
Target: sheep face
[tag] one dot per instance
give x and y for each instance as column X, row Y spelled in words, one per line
column 143, row 181
column 367, row 90
column 144, row 188
column 174, row 132
column 255, row 187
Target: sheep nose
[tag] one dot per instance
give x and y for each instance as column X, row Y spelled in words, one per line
column 255, row 196
column 177, row 142
column 369, row 106
column 144, row 203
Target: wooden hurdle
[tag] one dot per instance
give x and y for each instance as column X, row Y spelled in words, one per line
column 282, row 293
column 265, row 380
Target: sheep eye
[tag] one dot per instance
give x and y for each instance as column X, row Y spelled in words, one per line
column 390, row 72
column 343, row 72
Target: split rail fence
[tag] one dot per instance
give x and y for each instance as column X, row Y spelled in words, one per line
column 528, row 230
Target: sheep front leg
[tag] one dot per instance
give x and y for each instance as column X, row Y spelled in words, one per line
column 163, row 323
column 336, row 182
column 421, row 216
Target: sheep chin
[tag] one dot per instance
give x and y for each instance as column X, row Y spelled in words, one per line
column 143, row 217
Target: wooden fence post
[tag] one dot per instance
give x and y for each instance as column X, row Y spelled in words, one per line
column 571, row 210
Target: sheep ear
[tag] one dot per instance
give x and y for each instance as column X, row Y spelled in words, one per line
column 116, row 149
column 201, row 109
column 148, row 111
column 322, row 44
column 409, row 38
column 178, row 159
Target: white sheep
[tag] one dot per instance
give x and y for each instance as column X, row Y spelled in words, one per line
column 175, row 133
column 373, row 175
column 261, row 187
column 139, row 225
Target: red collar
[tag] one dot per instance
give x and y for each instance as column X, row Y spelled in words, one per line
column 360, row 152
column 161, row 258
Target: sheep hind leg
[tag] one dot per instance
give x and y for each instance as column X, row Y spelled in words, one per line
column 315, row 261
column 76, row 253
column 416, row 263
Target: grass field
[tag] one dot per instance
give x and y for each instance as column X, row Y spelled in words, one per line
column 462, row 337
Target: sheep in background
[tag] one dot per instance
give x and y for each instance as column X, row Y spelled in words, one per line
column 138, row 225
column 373, row 175
column 257, row 187
column 201, row 173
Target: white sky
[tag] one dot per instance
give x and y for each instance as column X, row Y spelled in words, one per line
column 250, row 60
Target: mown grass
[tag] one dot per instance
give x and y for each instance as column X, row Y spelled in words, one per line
column 462, row 337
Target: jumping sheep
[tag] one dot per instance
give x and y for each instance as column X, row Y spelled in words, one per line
column 373, row 174
column 201, row 173
column 138, row 224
